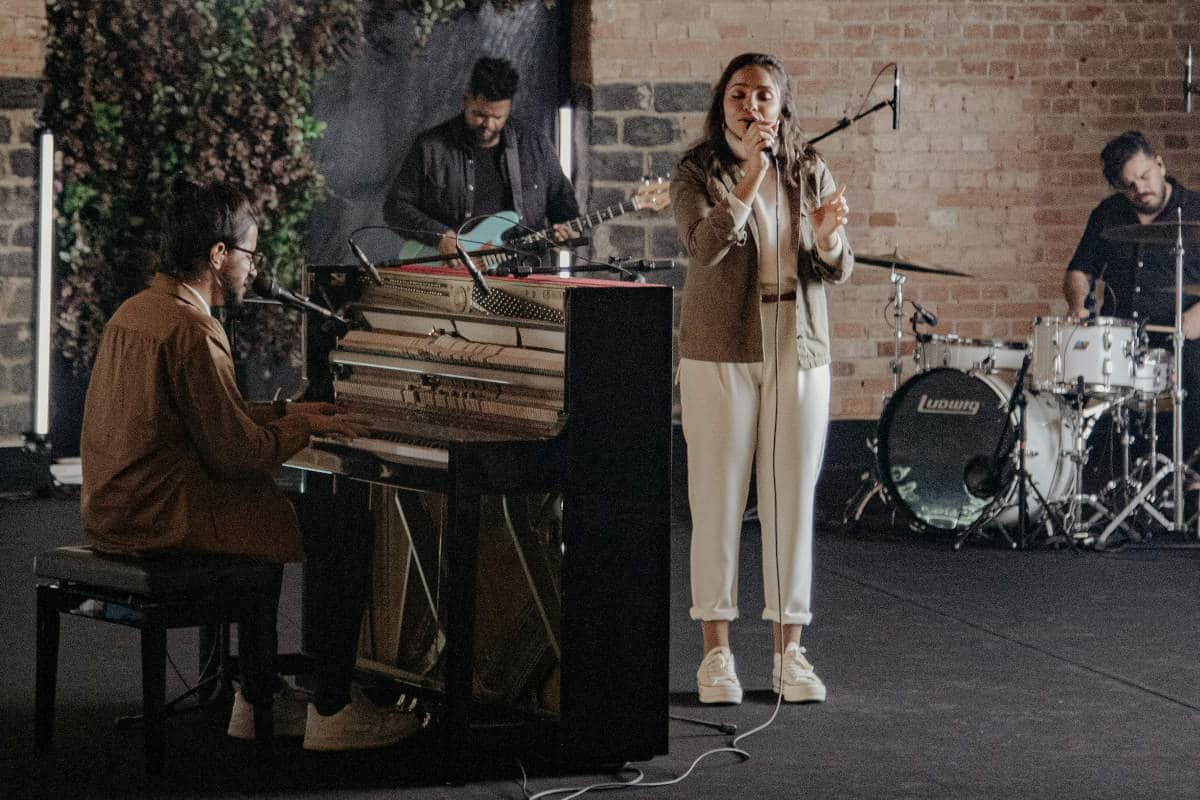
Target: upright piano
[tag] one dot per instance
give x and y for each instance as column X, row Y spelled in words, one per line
column 517, row 473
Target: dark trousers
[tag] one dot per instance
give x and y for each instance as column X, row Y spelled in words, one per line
column 339, row 541
column 258, row 642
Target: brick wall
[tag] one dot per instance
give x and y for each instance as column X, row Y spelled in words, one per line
column 1006, row 106
column 22, row 24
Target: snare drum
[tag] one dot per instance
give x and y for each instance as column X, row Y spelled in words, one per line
column 970, row 355
column 1100, row 353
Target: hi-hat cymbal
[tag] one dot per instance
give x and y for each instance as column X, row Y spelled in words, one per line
column 905, row 266
column 1160, row 233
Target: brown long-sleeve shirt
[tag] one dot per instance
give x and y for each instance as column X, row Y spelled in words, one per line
column 172, row 455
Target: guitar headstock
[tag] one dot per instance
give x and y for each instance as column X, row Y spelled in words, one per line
column 653, row 194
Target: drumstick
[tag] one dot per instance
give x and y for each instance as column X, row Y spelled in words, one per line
column 1159, row 328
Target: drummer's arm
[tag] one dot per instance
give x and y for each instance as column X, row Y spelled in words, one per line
column 1075, row 289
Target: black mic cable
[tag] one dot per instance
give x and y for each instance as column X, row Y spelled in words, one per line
column 1187, row 82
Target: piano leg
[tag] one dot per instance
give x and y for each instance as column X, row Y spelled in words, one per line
column 462, row 550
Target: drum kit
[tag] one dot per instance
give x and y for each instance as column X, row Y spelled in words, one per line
column 993, row 435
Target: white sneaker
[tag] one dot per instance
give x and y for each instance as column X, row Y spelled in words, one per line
column 800, row 682
column 288, row 709
column 717, row 679
column 360, row 725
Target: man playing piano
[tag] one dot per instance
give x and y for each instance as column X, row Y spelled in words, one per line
column 175, row 459
column 479, row 163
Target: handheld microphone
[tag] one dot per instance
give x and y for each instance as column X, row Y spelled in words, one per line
column 896, row 99
column 476, row 275
column 265, row 286
column 1187, row 82
column 365, row 263
column 926, row 317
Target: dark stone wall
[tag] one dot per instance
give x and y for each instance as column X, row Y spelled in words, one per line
column 375, row 105
column 20, row 98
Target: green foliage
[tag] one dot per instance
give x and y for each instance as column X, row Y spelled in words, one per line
column 427, row 13
column 143, row 93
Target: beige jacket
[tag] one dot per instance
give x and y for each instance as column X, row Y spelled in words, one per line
column 172, row 456
column 719, row 318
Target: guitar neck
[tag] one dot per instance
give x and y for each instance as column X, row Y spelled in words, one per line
column 588, row 221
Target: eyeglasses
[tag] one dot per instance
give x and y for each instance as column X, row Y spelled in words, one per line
column 258, row 259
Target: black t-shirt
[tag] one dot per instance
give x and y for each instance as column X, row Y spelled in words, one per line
column 492, row 193
column 1143, row 291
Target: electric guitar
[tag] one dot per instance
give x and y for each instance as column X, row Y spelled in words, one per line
column 489, row 234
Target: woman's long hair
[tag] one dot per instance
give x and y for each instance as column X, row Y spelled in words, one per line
column 796, row 155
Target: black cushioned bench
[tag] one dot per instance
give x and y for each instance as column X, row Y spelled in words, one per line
column 150, row 593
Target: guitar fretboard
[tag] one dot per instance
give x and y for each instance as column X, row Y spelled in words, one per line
column 589, row 220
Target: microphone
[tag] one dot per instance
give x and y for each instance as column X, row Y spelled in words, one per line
column 365, row 263
column 1187, row 82
column 1089, row 301
column 265, row 286
column 896, row 103
column 476, row 275
column 926, row 317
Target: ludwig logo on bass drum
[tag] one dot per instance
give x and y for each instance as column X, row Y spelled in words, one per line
column 940, row 405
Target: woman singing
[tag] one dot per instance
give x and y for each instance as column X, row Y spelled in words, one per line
column 761, row 220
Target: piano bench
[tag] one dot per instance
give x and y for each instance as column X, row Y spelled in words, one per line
column 153, row 594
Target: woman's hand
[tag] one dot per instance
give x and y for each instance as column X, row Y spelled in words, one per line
column 759, row 137
column 828, row 217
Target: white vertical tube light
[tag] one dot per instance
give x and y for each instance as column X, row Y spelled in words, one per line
column 566, row 160
column 45, row 285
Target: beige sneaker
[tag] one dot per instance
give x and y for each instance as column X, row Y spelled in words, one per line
column 800, row 683
column 717, row 679
column 360, row 725
column 288, row 709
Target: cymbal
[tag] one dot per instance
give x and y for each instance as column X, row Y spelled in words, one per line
column 905, row 266
column 1189, row 290
column 1160, row 233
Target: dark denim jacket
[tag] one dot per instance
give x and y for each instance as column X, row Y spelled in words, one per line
column 435, row 188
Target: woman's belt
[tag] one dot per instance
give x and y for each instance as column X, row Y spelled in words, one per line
column 779, row 298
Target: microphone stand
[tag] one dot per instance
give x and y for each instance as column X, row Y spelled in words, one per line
column 1017, row 401
column 846, row 122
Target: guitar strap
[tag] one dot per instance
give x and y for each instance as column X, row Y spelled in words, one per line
column 514, row 176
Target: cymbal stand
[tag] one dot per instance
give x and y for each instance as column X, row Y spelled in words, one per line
column 870, row 486
column 897, row 328
column 1176, row 468
column 1144, row 497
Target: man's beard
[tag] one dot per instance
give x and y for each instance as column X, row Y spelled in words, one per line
column 485, row 139
column 232, row 297
column 1154, row 205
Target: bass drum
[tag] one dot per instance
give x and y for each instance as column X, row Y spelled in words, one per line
column 939, row 431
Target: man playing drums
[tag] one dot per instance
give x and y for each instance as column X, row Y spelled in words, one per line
column 1137, row 281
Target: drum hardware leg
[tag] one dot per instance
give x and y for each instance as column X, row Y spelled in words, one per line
column 1142, row 500
column 1075, row 528
column 869, row 487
